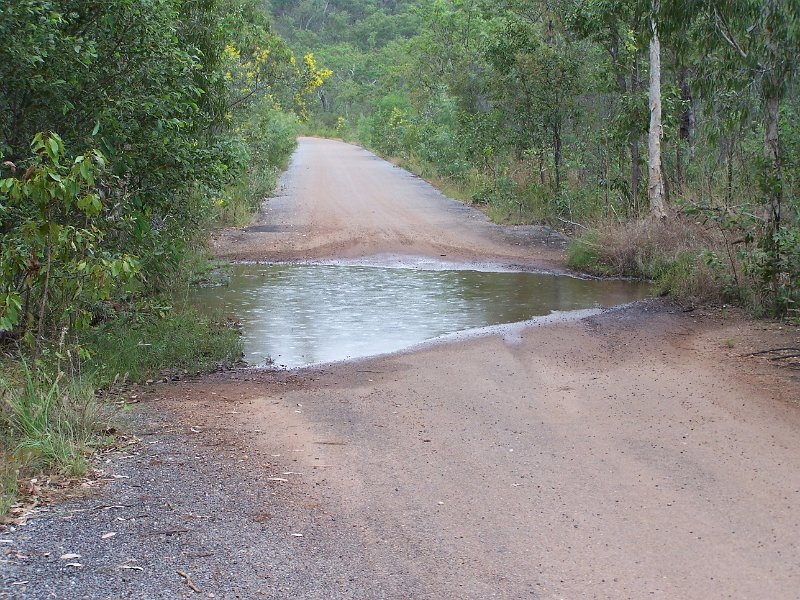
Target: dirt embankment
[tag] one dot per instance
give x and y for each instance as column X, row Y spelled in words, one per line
column 644, row 452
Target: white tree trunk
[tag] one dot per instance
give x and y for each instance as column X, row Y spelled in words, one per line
column 655, row 187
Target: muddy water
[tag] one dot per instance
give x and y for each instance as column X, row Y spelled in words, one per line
column 296, row 315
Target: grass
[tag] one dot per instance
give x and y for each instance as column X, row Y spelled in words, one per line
column 670, row 253
column 52, row 420
column 143, row 347
column 243, row 196
column 51, row 423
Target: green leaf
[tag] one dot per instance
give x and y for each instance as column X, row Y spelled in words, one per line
column 53, row 148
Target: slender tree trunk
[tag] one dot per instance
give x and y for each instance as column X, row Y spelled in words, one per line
column 772, row 154
column 772, row 100
column 541, row 168
column 557, row 154
column 45, row 291
column 633, row 134
column 633, row 143
column 729, row 177
column 686, row 124
column 655, row 185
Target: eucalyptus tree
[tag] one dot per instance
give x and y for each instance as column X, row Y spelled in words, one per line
column 655, row 183
column 534, row 81
column 756, row 44
column 615, row 26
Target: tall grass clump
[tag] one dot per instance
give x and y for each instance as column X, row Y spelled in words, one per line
column 673, row 254
column 50, row 423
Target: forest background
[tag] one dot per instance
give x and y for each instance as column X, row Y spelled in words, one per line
column 540, row 112
column 129, row 130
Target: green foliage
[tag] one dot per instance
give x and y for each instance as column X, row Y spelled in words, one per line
column 164, row 88
column 54, row 266
column 51, row 421
column 269, row 137
column 762, row 269
column 153, row 340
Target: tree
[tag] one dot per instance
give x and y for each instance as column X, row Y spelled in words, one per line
column 615, row 26
column 756, row 43
column 534, row 84
column 655, row 184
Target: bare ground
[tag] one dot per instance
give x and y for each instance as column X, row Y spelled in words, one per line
column 644, row 452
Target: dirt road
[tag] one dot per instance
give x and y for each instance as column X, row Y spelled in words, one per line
column 338, row 201
column 641, row 453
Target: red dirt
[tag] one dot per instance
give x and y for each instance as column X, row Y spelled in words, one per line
column 640, row 453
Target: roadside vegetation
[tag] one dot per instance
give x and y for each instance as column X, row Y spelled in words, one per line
column 127, row 131
column 662, row 136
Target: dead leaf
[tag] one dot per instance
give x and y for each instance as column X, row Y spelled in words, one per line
column 69, row 556
column 110, row 534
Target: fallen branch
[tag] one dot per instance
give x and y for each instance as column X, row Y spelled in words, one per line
column 773, row 351
column 189, row 581
column 572, row 223
column 785, row 356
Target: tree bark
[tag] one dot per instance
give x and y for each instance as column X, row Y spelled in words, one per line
column 633, row 134
column 633, row 142
column 636, row 172
column 772, row 100
column 686, row 124
column 772, row 154
column 557, row 154
column 655, row 187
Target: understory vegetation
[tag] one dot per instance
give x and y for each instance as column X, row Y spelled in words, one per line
column 549, row 112
column 127, row 130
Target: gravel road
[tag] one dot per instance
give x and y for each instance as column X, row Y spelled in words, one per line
column 339, row 201
column 640, row 453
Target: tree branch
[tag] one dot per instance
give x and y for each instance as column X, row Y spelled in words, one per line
column 725, row 32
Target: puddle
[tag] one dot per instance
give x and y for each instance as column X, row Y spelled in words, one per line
column 297, row 315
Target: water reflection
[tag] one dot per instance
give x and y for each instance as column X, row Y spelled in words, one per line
column 295, row 315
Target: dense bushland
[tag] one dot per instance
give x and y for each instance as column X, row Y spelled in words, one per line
column 541, row 112
column 127, row 129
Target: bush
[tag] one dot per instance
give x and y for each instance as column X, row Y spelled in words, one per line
column 268, row 141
